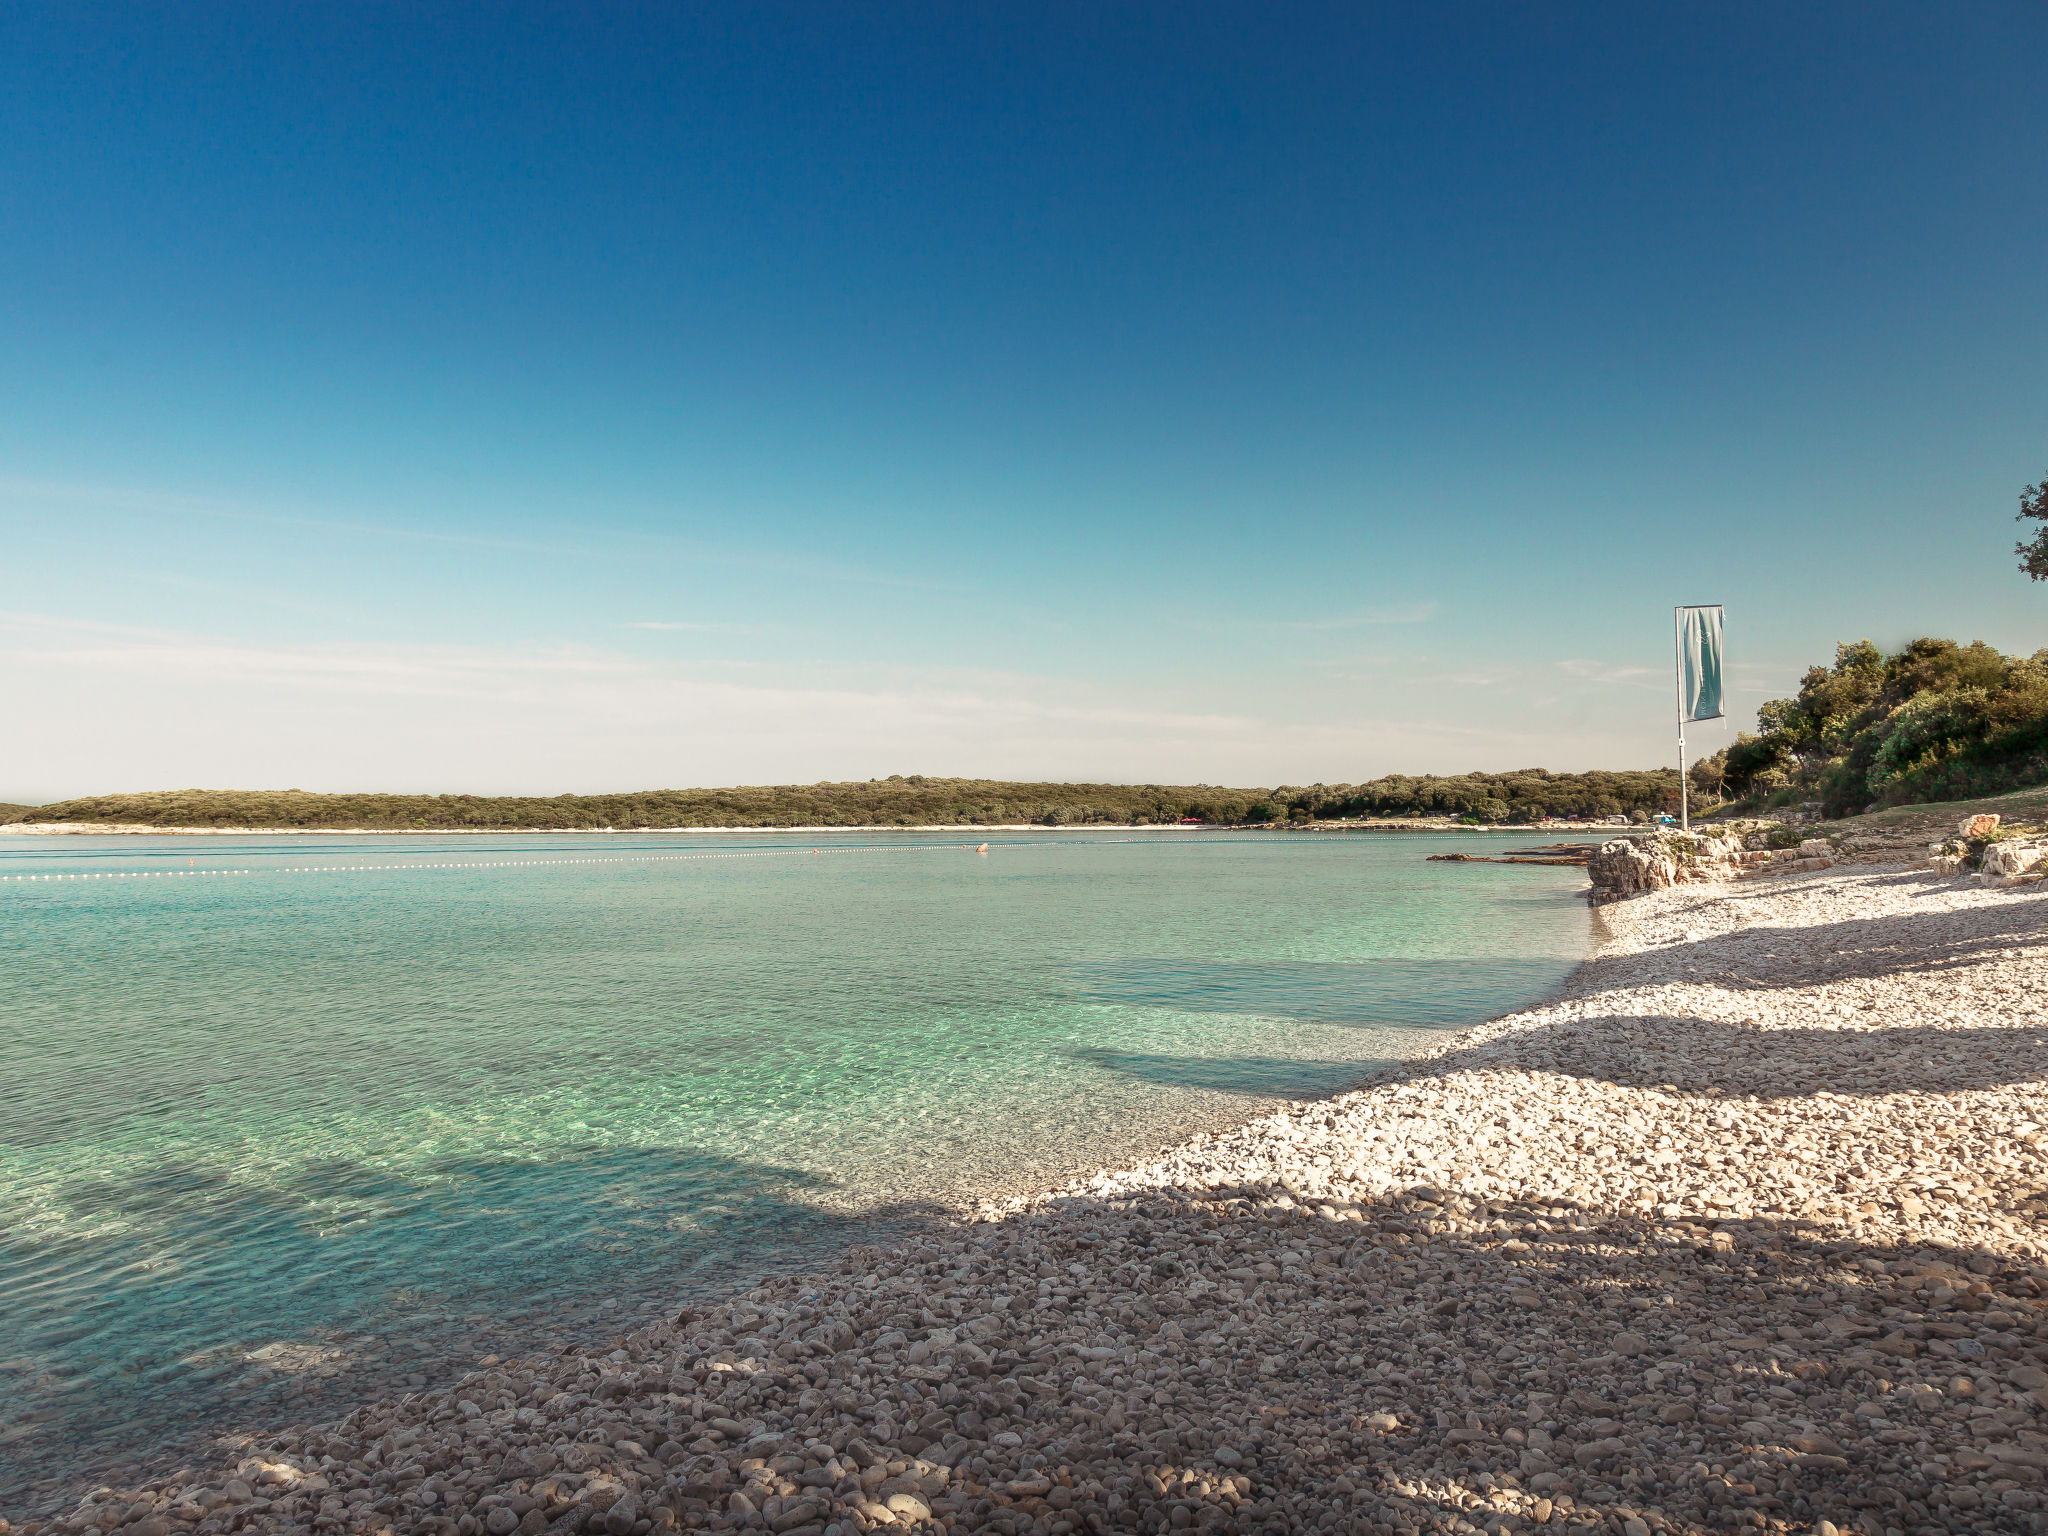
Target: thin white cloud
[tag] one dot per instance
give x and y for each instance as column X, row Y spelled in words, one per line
column 598, row 541
column 159, row 505
column 1364, row 618
column 1418, row 672
column 1421, row 612
column 106, row 707
column 688, row 626
column 1592, row 671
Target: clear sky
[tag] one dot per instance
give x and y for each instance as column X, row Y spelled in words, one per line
column 583, row 397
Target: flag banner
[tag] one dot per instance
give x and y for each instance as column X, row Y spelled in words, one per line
column 1699, row 662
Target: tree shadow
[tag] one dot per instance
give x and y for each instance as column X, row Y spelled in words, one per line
column 1673, row 1052
column 1788, row 1340
column 1525, row 1349
column 1381, row 993
column 1261, row 1077
column 1696, row 1054
column 1716, row 1058
column 1897, row 944
column 182, row 1298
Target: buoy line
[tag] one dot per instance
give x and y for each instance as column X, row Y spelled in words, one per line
column 352, row 869
column 141, row 874
column 629, row 858
column 626, row 858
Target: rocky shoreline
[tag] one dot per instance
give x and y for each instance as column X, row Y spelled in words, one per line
column 1738, row 1232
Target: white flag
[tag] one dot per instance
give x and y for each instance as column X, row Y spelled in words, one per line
column 1699, row 662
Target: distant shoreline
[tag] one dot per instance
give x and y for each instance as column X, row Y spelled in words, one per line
column 140, row 829
column 917, row 803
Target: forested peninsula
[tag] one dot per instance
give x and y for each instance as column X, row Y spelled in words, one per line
column 1520, row 797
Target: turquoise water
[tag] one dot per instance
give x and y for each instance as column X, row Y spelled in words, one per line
column 293, row 1119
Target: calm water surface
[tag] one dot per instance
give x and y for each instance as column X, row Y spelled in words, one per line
column 290, row 1120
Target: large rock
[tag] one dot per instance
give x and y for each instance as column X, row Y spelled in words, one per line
column 2012, row 858
column 1632, row 866
column 1626, row 868
column 2003, row 859
column 1974, row 827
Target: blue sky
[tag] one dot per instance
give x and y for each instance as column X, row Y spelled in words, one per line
column 546, row 398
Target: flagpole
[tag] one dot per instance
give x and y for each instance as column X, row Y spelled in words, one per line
column 1678, row 653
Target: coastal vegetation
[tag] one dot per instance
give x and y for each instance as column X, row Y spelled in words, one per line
column 898, row 801
column 2033, row 552
column 1524, row 795
column 1934, row 720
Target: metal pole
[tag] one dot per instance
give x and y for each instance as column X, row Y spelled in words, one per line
column 1678, row 648
column 1684, row 815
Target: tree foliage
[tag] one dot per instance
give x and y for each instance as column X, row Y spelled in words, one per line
column 2034, row 552
column 1522, row 796
column 1932, row 721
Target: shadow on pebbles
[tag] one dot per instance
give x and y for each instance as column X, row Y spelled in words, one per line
column 1737, row 1233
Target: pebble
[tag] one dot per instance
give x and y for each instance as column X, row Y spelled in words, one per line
column 1739, row 1232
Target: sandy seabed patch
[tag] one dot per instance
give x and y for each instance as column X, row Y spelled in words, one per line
column 1741, row 1231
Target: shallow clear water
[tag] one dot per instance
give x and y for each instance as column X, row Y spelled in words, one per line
column 291, row 1119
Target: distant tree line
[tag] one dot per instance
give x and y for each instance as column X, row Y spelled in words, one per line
column 1524, row 796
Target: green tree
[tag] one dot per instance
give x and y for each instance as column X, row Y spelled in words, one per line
column 2034, row 553
column 1709, row 774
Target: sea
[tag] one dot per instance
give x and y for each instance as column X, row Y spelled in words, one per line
column 291, row 1121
